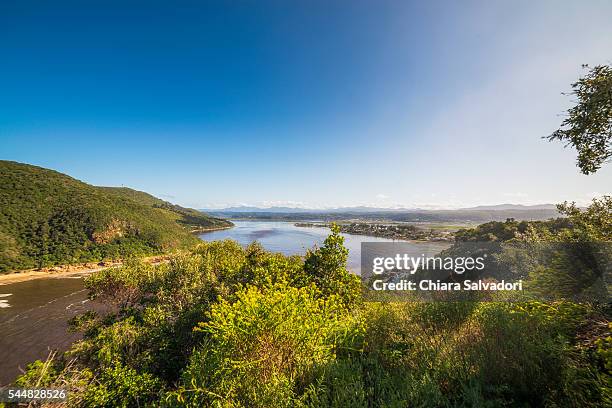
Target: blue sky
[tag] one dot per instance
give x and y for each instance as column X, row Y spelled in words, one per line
column 306, row 103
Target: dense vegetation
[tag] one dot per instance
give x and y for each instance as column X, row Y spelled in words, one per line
column 48, row 218
column 227, row 326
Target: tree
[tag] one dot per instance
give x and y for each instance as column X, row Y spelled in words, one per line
column 326, row 266
column 588, row 126
column 593, row 223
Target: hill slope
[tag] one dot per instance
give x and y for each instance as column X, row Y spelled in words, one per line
column 48, row 218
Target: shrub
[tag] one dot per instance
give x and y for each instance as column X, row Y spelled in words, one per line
column 223, row 325
column 261, row 349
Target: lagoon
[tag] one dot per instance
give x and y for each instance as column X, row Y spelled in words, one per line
column 288, row 239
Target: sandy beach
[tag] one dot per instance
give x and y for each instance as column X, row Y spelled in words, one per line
column 61, row 271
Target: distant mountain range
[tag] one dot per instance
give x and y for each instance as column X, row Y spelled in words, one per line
column 477, row 214
column 365, row 209
column 504, row 207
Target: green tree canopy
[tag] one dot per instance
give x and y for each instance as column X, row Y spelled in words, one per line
column 588, row 125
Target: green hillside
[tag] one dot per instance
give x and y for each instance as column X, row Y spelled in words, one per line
column 49, row 218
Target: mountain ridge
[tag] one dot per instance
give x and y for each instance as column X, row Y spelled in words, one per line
column 284, row 209
column 470, row 215
column 49, row 218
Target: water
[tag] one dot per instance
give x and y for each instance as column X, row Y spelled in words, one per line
column 286, row 238
column 34, row 314
column 33, row 320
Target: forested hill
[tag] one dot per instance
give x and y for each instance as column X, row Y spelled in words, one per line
column 49, row 218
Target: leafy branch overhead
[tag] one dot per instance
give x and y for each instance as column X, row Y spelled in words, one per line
column 588, row 126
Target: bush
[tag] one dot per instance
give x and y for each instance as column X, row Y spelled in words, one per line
column 261, row 349
column 120, row 386
column 223, row 325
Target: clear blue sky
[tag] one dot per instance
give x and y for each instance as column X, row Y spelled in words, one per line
column 312, row 103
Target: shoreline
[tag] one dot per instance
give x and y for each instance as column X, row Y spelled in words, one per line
column 394, row 231
column 28, row 275
column 61, row 271
column 211, row 229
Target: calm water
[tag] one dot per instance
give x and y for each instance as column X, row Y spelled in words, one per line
column 286, row 238
column 33, row 314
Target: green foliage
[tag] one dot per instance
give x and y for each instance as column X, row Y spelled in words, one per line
column 47, row 218
column 565, row 258
column 588, row 126
column 326, row 267
column 604, row 350
column 38, row 374
column 120, row 387
column 593, row 223
column 227, row 326
column 261, row 349
column 491, row 354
